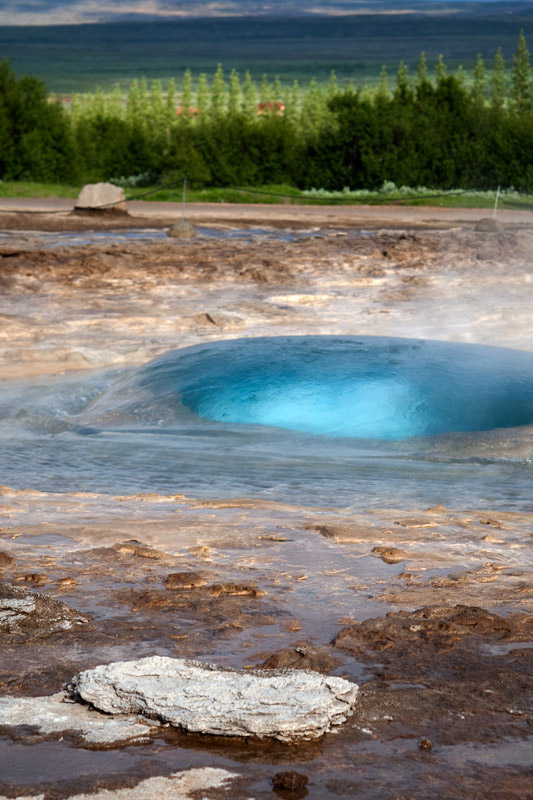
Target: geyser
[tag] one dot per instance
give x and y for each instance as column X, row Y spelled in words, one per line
column 359, row 387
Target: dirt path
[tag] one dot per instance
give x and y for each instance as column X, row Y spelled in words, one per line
column 161, row 214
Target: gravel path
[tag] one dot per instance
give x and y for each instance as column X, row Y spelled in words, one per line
column 268, row 214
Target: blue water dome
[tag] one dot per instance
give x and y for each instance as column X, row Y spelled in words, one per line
column 351, row 386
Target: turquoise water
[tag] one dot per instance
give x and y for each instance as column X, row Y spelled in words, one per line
column 357, row 387
column 312, row 420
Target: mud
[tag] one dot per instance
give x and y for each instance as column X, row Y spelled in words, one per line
column 428, row 608
column 458, row 677
column 98, row 306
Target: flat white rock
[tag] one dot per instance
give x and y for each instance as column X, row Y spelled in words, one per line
column 286, row 704
column 178, row 786
column 57, row 714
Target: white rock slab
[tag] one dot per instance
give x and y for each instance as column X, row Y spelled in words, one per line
column 287, row 705
column 178, row 786
column 96, row 195
column 57, row 714
column 25, row 797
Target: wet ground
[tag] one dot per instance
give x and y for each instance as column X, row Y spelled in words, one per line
column 428, row 608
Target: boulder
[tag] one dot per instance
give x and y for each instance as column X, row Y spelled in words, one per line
column 101, row 197
column 288, row 705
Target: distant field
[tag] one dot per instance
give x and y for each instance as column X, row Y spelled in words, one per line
column 82, row 57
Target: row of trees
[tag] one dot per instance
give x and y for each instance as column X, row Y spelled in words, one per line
column 305, row 106
column 446, row 131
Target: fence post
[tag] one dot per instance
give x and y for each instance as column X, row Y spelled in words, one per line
column 184, row 197
column 496, row 202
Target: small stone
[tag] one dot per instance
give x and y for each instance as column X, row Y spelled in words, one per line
column 289, row 780
column 425, row 744
column 182, row 230
column 183, row 581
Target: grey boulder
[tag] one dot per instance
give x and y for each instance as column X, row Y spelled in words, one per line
column 101, row 196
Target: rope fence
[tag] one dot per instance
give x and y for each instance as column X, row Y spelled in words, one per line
column 527, row 202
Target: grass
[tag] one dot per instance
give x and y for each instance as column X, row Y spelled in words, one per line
column 389, row 194
column 32, row 190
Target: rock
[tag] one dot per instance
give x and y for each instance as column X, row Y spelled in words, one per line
column 235, row 590
column 57, row 713
column 65, row 583
column 182, row 230
column 27, row 615
column 6, row 560
column 133, row 547
column 181, row 581
column 489, row 225
column 205, row 318
column 37, row 578
column 101, row 197
column 434, row 629
column 288, row 705
column 486, row 255
column 425, row 744
column 289, row 780
column 390, row 555
column 345, row 533
column 301, row 656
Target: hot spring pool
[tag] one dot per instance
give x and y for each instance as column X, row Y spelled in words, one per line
column 317, row 420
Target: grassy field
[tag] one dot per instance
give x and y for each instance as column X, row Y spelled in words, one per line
column 77, row 58
column 288, row 194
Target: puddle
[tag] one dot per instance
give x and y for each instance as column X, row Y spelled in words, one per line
column 145, row 235
column 503, row 649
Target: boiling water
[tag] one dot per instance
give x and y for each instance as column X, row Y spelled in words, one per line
column 316, row 420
